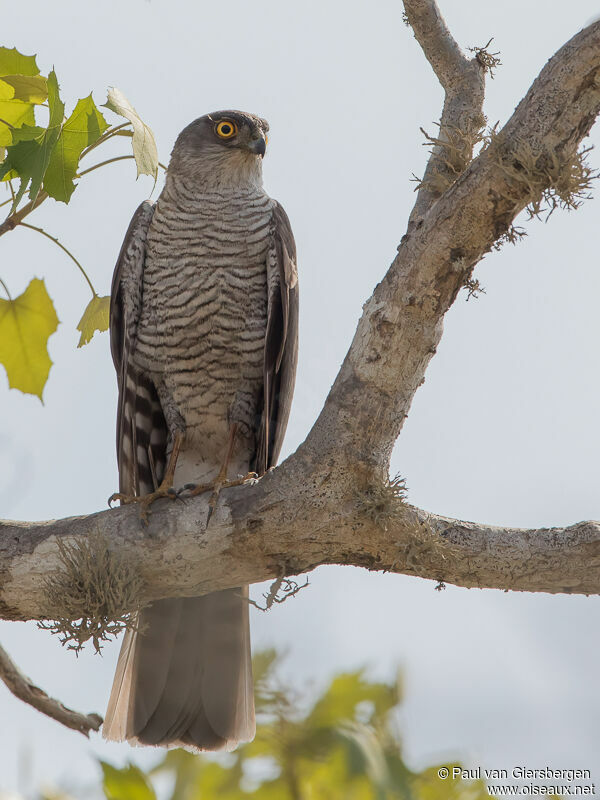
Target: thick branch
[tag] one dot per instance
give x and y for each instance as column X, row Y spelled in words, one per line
column 402, row 322
column 293, row 520
column 27, row 691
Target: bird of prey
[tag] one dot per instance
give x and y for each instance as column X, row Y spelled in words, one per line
column 203, row 330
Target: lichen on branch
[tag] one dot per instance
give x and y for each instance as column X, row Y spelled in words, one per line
column 95, row 593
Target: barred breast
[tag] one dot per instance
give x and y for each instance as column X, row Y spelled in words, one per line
column 202, row 328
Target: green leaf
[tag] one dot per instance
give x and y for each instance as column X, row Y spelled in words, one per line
column 24, row 134
column 14, row 63
column 128, row 783
column 26, row 323
column 144, row 145
column 30, row 159
column 95, row 318
column 84, row 127
column 30, row 89
column 57, row 111
column 21, row 88
column 13, row 113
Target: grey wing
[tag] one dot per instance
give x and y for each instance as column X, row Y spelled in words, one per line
column 281, row 341
column 141, row 427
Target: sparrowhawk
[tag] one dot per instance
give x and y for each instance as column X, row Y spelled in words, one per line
column 203, row 330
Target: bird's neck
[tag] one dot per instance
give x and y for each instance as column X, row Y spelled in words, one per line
column 238, row 171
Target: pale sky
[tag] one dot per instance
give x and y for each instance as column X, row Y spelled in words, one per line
column 504, row 430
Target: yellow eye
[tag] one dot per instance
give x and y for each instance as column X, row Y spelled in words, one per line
column 226, row 129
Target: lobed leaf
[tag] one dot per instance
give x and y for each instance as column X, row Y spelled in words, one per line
column 14, row 63
column 20, row 88
column 30, row 158
column 95, row 318
column 144, row 144
column 13, row 113
column 29, row 89
column 26, row 323
column 84, row 127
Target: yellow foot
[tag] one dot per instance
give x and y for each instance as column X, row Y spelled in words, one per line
column 216, row 486
column 144, row 500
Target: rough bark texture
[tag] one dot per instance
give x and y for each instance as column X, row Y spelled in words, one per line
column 327, row 503
column 279, row 531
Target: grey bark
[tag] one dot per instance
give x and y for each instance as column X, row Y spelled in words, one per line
column 23, row 688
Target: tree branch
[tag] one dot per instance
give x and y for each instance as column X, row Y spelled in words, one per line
column 402, row 322
column 27, row 691
column 293, row 520
column 323, row 505
column 462, row 116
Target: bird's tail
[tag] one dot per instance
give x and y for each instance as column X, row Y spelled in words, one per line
column 184, row 677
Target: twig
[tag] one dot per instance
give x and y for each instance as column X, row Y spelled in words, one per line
column 290, row 588
column 102, row 164
column 116, row 131
column 31, row 694
column 110, row 161
column 5, row 287
column 64, row 249
column 11, row 222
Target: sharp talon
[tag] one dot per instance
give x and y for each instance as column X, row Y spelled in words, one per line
column 189, row 486
column 171, row 492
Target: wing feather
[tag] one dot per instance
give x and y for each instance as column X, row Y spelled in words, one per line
column 141, row 428
column 281, row 341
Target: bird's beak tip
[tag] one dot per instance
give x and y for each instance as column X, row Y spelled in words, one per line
column 258, row 146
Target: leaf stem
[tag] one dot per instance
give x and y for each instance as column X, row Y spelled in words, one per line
column 64, row 249
column 101, row 164
column 106, row 135
column 5, row 287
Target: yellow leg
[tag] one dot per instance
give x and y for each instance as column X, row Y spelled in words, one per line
column 164, row 490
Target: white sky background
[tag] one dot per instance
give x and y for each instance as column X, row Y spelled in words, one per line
column 505, row 429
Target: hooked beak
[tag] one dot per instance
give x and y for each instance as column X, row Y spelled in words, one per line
column 258, row 146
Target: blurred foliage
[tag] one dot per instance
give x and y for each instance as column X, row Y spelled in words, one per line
column 343, row 745
column 41, row 160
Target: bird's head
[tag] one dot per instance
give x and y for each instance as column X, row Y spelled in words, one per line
column 223, row 148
